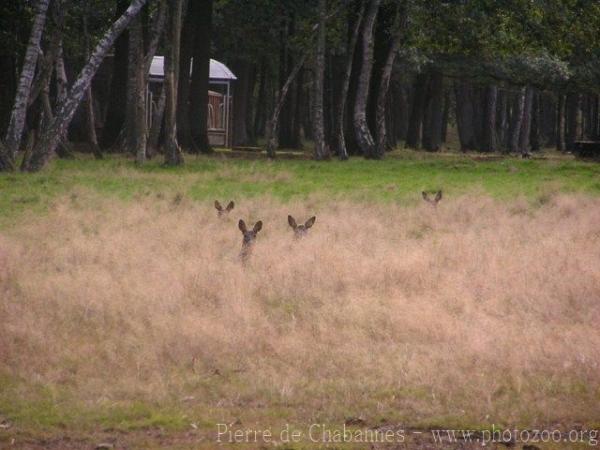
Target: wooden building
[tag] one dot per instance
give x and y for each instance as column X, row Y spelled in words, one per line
column 220, row 99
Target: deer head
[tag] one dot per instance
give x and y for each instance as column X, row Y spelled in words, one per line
column 301, row 230
column 223, row 211
column 249, row 237
column 432, row 201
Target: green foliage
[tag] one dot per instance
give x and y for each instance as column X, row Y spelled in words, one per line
column 100, row 15
column 540, row 69
column 547, row 43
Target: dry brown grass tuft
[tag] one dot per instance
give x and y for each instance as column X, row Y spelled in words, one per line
column 477, row 310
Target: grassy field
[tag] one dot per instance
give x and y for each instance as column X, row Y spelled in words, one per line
column 127, row 316
column 400, row 178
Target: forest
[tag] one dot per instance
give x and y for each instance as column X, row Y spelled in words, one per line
column 299, row 224
column 344, row 77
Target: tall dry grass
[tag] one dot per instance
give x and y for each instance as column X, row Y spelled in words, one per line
column 475, row 309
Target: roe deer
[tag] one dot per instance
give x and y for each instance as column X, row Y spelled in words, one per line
column 223, row 211
column 249, row 238
column 432, row 201
column 301, row 230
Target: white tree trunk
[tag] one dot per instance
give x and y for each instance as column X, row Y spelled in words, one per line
column 62, row 82
column 173, row 155
column 321, row 150
column 17, row 117
column 47, row 143
column 386, row 75
column 361, row 128
column 138, row 135
column 341, row 111
column 272, row 123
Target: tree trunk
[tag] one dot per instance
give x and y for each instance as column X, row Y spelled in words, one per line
column 573, row 120
column 184, row 133
column 524, row 138
column 501, row 120
column 305, row 105
column 352, row 146
column 478, row 102
column 158, row 116
column 432, row 124
column 240, row 102
column 488, row 141
column 117, row 104
column 415, row 122
column 62, row 83
column 29, row 143
column 330, row 94
column 91, row 124
column 446, row 115
column 271, row 127
column 560, row 123
column 156, row 33
column 321, row 150
column 250, row 103
column 272, row 123
column 341, row 110
column 47, row 59
column 464, row 115
column 361, row 128
column 89, row 99
column 261, row 113
column 384, row 82
column 535, row 134
column 139, row 133
column 41, row 85
column 286, row 63
column 19, row 111
column 173, row 154
column 298, row 124
column 547, row 118
column 401, row 104
column 46, row 145
column 202, row 13
column 517, row 121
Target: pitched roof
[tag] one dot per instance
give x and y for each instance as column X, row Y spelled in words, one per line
column 218, row 70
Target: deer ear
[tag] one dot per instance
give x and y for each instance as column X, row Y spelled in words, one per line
column 242, row 226
column 292, row 222
column 230, row 206
column 257, row 226
column 310, row 222
column 424, row 194
column 218, row 206
column 438, row 196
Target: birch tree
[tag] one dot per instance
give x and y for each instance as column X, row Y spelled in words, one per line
column 342, row 151
column 138, row 133
column 361, row 128
column 321, row 149
column 17, row 117
column 386, row 75
column 173, row 154
column 50, row 137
